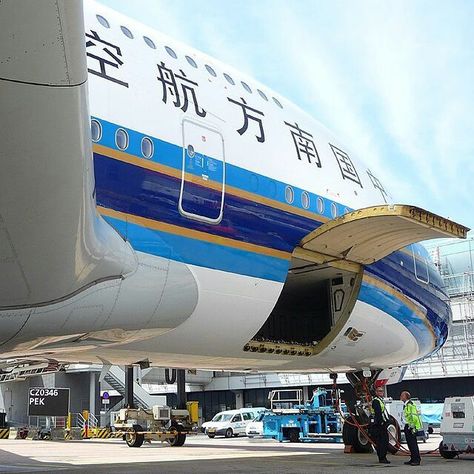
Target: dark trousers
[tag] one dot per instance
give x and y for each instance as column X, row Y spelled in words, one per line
column 379, row 434
column 412, row 444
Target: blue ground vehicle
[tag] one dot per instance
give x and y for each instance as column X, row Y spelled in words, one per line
column 291, row 420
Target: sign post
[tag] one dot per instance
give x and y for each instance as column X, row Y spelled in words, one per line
column 48, row 401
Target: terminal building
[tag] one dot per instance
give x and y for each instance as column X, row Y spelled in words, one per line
column 100, row 390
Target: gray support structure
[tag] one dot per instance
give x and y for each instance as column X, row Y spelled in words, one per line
column 181, row 388
column 129, row 402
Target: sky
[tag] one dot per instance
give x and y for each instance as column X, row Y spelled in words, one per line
column 393, row 79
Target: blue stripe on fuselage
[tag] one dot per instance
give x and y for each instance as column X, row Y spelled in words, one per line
column 201, row 253
column 142, row 192
column 145, row 193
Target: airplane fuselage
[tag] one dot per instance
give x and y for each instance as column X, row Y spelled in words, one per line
column 214, row 180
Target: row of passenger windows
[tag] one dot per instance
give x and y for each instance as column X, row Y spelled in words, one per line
column 122, row 141
column 306, row 201
column 104, row 22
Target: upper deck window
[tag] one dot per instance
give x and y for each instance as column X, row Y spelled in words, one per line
column 191, row 61
column 149, row 42
column 277, row 102
column 126, row 32
column 246, row 87
column 103, row 21
column 262, row 95
column 171, row 52
column 229, row 79
column 211, row 71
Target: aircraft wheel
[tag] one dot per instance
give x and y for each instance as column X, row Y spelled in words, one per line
column 352, row 436
column 394, row 436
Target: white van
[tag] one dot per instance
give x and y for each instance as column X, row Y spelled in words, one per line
column 231, row 422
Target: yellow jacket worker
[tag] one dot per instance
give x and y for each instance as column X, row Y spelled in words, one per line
column 413, row 424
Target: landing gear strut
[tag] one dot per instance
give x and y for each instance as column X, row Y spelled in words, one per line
column 355, row 430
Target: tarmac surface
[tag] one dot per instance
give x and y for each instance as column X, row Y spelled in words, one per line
column 203, row 455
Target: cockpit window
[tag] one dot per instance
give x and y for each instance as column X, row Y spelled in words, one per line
column 126, row 32
column 171, row 52
column 103, row 21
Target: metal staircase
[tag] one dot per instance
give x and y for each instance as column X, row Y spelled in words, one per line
column 115, row 377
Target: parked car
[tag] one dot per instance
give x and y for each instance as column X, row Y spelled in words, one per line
column 230, row 423
column 255, row 427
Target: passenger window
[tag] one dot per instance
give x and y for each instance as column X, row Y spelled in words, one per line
column 246, row 87
column 236, row 419
column 247, row 416
column 277, row 102
column 171, row 52
column 305, row 200
column 229, row 79
column 126, row 32
column 103, row 21
column 147, row 147
column 262, row 95
column 289, row 195
column 191, row 61
column 320, row 205
column 96, row 130
column 149, row 42
column 211, row 71
column 121, row 139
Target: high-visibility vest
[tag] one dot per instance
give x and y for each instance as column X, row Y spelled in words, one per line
column 412, row 416
column 385, row 415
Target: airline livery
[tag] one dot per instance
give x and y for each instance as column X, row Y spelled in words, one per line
column 158, row 205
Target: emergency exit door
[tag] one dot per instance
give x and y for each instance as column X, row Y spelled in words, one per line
column 203, row 173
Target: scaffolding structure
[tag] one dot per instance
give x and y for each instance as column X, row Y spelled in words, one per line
column 455, row 261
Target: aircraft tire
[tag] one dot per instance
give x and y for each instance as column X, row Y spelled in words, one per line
column 352, row 436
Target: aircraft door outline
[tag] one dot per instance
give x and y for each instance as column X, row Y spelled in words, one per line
column 202, row 190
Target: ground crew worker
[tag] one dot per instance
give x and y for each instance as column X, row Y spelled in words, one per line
column 378, row 425
column 413, row 424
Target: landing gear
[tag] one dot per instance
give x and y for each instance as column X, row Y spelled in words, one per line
column 355, row 430
column 353, row 436
column 394, row 435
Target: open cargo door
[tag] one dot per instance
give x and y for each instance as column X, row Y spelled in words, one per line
column 326, row 272
column 367, row 235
